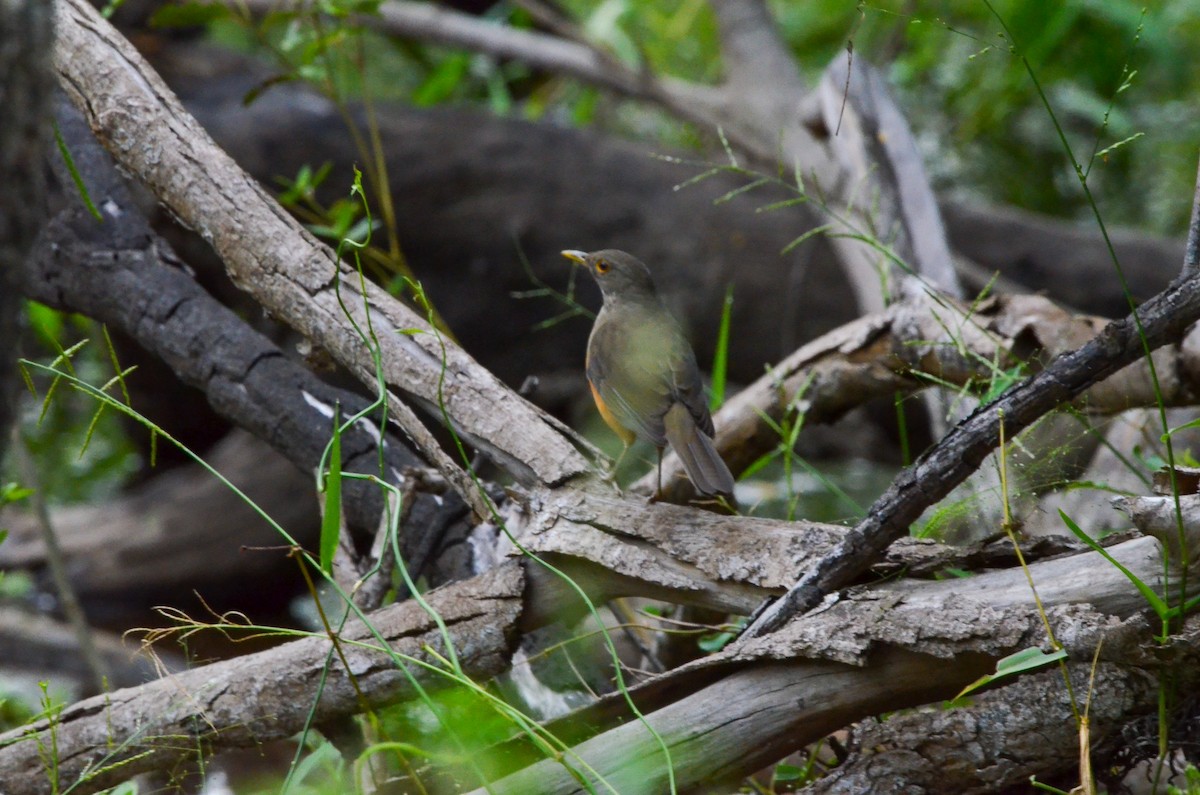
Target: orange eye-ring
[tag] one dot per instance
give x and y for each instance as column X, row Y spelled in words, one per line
column 601, row 266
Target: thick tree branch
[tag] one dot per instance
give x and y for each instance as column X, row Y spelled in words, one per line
column 1163, row 319
column 289, row 272
column 753, row 54
column 121, row 273
column 902, row 643
column 866, row 132
column 1026, row 728
column 26, row 33
column 923, row 341
column 104, row 740
column 998, row 742
column 664, row 550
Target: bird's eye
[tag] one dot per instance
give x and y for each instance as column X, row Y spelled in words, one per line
column 602, row 266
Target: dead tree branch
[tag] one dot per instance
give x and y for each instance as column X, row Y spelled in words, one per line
column 899, row 643
column 1160, row 320
column 120, row 272
column 1027, row 727
column 890, row 626
column 109, row 738
column 665, row 552
column 931, row 340
column 289, row 272
column 26, row 35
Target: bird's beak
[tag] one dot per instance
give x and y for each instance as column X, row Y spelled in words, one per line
column 578, row 257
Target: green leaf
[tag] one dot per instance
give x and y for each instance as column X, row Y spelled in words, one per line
column 789, row 773
column 1025, row 660
column 816, row 230
column 262, row 87
column 583, row 110
column 721, row 356
column 1156, row 602
column 606, row 26
column 955, row 573
column 342, row 9
column 1103, row 153
column 1001, row 381
column 716, row 641
column 443, row 80
column 76, row 177
column 331, row 521
column 187, row 15
column 1193, row 424
column 13, row 492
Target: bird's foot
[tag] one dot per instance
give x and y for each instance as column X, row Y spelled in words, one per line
column 610, row 477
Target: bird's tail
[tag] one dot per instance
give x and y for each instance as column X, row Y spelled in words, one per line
column 700, row 458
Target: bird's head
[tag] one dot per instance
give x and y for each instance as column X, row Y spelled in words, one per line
column 620, row 275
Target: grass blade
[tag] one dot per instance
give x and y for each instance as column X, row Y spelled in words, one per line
column 331, row 520
column 721, row 357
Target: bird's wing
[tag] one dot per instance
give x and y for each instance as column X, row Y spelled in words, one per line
column 626, row 368
column 687, row 387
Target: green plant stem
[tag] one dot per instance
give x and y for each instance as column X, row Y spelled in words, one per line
column 1041, row 608
column 1183, row 563
column 56, row 563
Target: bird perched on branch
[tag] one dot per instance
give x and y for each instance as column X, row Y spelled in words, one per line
column 643, row 372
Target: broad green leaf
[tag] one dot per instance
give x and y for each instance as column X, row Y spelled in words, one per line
column 1025, row 660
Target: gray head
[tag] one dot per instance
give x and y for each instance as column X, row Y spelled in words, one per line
column 620, row 275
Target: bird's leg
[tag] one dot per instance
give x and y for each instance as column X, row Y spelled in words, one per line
column 658, row 490
column 611, row 475
column 617, row 464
